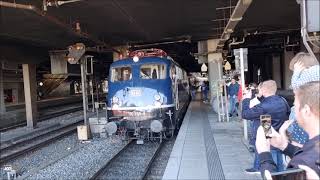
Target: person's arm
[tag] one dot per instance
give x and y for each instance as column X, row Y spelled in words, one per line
column 297, row 70
column 264, row 154
column 266, row 163
column 291, row 150
column 251, row 113
column 237, row 89
column 295, row 78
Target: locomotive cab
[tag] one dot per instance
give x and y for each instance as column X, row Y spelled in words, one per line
column 140, row 96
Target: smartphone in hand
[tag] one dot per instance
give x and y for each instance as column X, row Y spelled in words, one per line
column 265, row 121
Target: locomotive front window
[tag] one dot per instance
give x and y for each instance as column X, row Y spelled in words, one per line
column 153, row 71
column 121, row 74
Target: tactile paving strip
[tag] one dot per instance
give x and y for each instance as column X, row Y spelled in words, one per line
column 213, row 160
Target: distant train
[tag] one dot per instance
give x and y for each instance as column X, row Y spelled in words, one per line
column 147, row 95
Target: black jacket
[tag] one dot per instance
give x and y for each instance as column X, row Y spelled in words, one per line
column 308, row 155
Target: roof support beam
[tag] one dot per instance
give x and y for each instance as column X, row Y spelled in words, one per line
column 55, row 21
column 236, row 16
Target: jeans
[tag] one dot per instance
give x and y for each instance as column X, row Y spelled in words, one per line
column 277, row 158
column 205, row 95
column 193, row 94
column 256, row 162
column 252, row 133
column 232, row 104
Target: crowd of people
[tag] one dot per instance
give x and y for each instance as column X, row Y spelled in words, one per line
column 291, row 140
column 294, row 132
column 204, row 87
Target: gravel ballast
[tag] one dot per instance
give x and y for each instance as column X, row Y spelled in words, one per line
column 35, row 159
column 43, row 126
column 84, row 162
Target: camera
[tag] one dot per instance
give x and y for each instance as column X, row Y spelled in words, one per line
column 253, row 88
column 265, row 121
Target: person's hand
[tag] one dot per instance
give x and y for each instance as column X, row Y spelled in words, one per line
column 228, row 96
column 311, row 174
column 248, row 94
column 280, row 140
column 298, row 66
column 262, row 143
column 267, row 175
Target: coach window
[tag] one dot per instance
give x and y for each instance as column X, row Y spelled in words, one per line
column 152, row 71
column 121, row 74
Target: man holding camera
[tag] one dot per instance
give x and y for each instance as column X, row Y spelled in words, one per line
column 272, row 105
column 308, row 117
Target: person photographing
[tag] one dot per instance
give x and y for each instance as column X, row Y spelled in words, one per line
column 308, row 117
column 272, row 105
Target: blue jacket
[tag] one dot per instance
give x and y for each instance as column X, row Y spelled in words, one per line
column 276, row 106
column 233, row 89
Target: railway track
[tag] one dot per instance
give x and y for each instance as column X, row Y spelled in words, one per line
column 132, row 162
column 12, row 150
column 159, row 164
column 44, row 117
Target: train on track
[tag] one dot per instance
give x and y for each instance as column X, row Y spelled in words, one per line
column 148, row 94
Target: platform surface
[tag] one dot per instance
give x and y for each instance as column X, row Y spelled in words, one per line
column 208, row 149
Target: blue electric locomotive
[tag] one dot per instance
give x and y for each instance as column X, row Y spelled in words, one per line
column 147, row 94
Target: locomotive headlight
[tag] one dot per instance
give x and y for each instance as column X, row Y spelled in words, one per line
column 115, row 106
column 157, row 103
column 157, row 97
column 111, row 128
column 115, row 100
column 135, row 59
column 156, row 126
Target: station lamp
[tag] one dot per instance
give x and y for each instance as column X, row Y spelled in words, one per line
column 204, row 68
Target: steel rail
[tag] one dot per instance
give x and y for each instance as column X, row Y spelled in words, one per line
column 43, row 118
column 101, row 172
column 104, row 167
column 19, row 148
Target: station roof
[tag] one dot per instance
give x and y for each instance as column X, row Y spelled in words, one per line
column 115, row 22
column 120, row 22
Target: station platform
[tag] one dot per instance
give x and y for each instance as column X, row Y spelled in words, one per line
column 208, row 149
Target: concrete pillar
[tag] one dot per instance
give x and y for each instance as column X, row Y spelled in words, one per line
column 288, row 55
column 276, row 70
column 213, row 75
column 214, row 68
column 58, row 63
column 202, row 51
column 2, row 106
column 30, row 93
